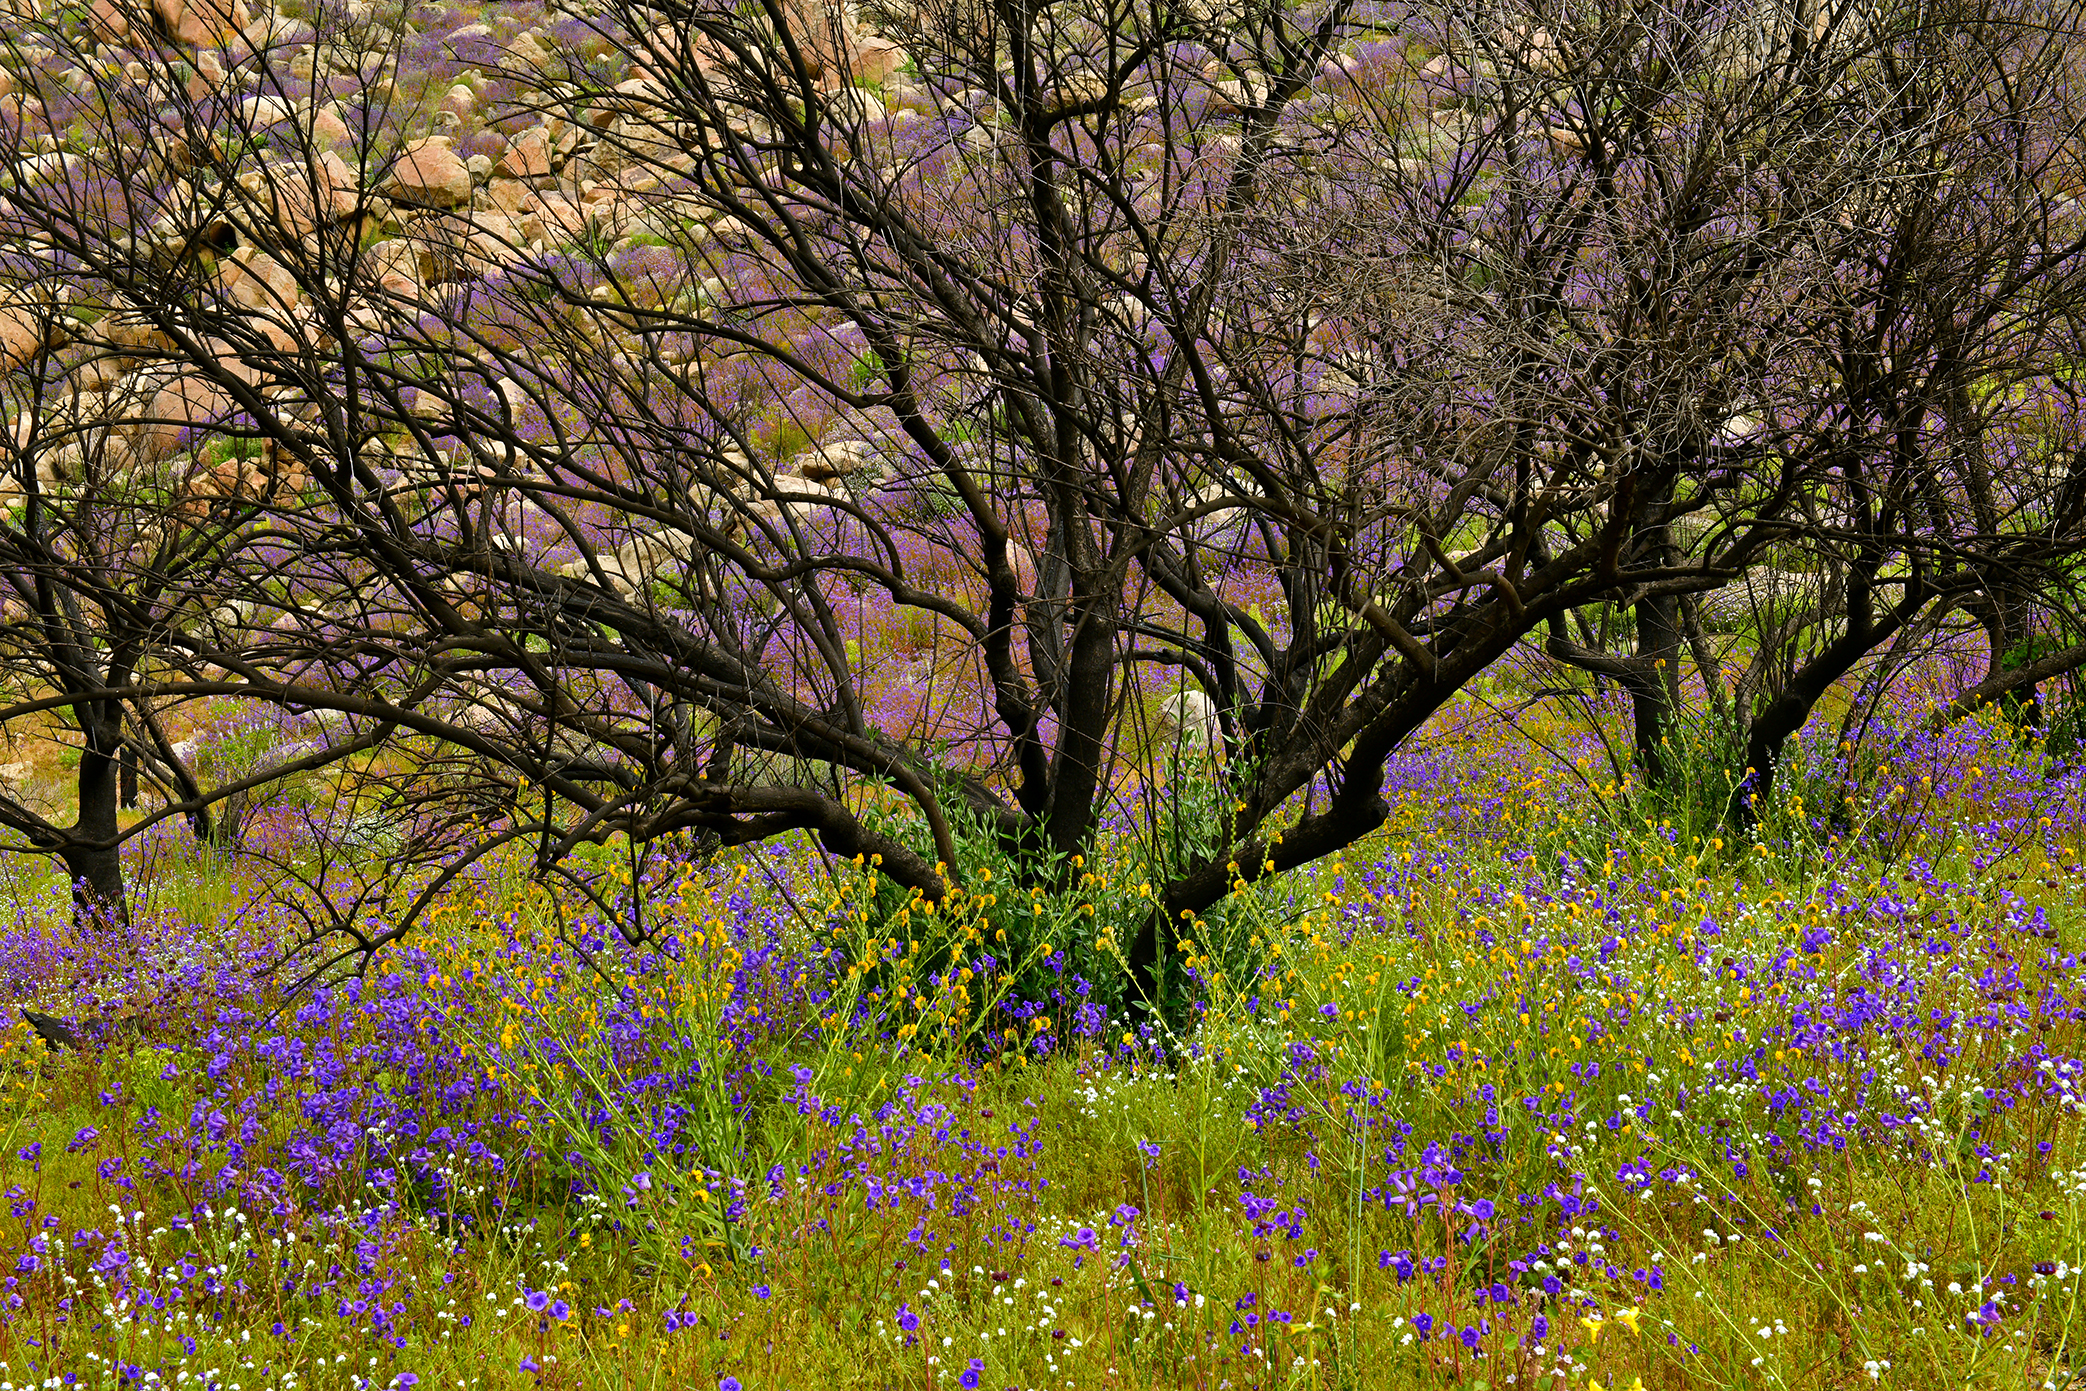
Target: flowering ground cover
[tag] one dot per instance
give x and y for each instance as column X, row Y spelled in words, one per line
column 1098, row 448
column 1528, row 1095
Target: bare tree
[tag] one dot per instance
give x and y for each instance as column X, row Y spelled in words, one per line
column 1944, row 432
column 774, row 440
column 120, row 551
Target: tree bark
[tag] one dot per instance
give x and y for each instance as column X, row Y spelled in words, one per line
column 1999, row 685
column 90, row 855
column 1791, row 708
column 1655, row 690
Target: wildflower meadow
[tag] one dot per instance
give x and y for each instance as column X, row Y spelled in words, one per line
column 898, row 695
column 1529, row 1093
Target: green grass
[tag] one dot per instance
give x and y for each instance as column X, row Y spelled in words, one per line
column 1440, row 981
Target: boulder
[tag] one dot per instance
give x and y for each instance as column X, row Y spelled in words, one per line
column 528, row 52
column 255, row 280
column 612, row 213
column 1079, row 89
column 1535, row 49
column 396, row 259
column 279, row 30
column 453, row 249
column 293, row 330
column 328, row 130
column 258, row 113
column 95, row 374
column 234, row 478
column 208, row 79
column 827, row 465
column 1022, row 561
column 527, row 156
column 22, row 337
column 107, row 21
column 793, row 503
column 50, row 167
column 825, row 33
column 644, row 558
column 202, row 23
column 186, row 401
column 855, row 106
column 23, row 113
column 639, row 96
column 875, row 61
column 1188, row 720
column 429, row 175
column 295, row 199
column 1247, row 92
column 556, row 219
column 55, row 463
column 492, row 242
column 507, row 195
column 130, row 332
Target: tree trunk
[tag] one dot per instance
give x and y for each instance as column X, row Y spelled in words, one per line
column 1655, row 693
column 92, row 860
column 1789, row 710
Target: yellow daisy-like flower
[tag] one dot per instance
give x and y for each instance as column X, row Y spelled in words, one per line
column 1629, row 1318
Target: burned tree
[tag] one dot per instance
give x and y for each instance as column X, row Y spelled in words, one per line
column 1942, row 433
column 808, row 414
